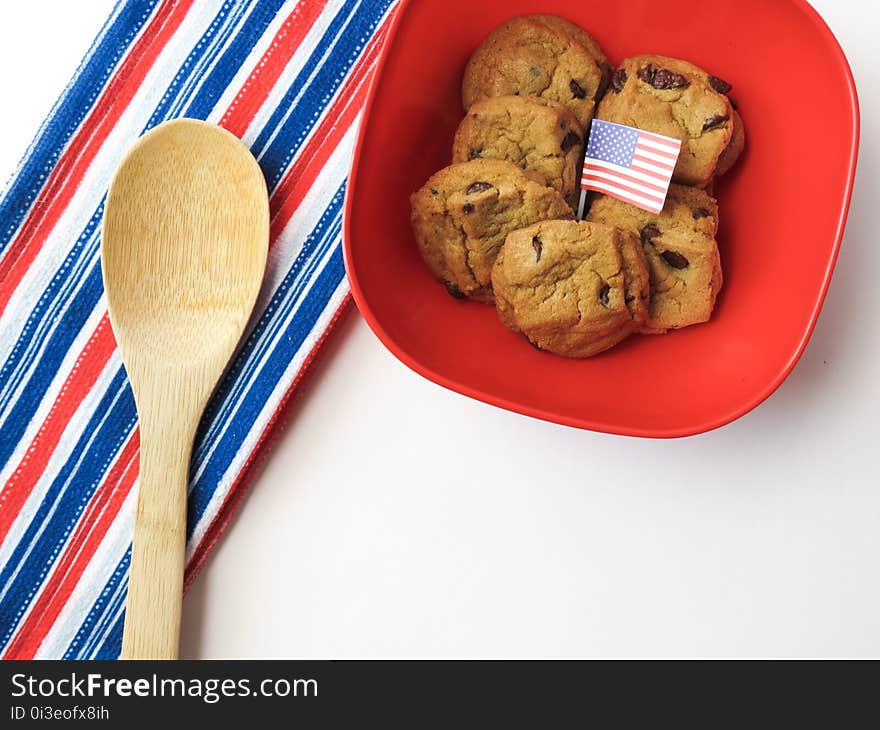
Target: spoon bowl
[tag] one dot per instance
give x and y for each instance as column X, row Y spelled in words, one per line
column 184, row 245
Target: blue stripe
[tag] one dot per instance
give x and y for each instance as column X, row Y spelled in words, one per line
column 65, row 500
column 230, row 62
column 203, row 54
column 334, row 56
column 44, row 320
column 273, row 369
column 65, row 333
column 47, row 316
column 233, row 389
column 273, row 365
column 110, row 646
column 77, row 100
column 104, row 606
column 54, row 331
column 283, row 136
column 114, row 608
column 347, row 31
column 283, row 150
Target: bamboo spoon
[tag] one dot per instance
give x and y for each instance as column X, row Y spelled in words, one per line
column 185, row 238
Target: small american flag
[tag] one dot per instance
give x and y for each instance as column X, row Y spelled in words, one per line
column 629, row 164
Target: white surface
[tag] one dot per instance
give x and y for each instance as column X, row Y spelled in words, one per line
column 394, row 518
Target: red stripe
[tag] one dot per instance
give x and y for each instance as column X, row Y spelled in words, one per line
column 75, row 160
column 255, row 459
column 646, row 151
column 102, row 509
column 239, row 115
column 293, row 187
column 616, row 191
column 325, row 138
column 654, row 163
column 658, row 137
column 589, row 179
column 344, row 109
column 662, row 179
column 79, row 382
column 626, row 177
column 265, row 75
column 94, row 356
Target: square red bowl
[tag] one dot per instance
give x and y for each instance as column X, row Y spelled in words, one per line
column 783, row 211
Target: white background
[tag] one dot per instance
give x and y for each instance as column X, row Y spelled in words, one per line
column 394, row 518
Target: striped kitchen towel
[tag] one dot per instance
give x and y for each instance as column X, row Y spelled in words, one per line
column 290, row 79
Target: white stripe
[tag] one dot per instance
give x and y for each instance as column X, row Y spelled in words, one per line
column 665, row 171
column 59, row 457
column 249, row 64
column 292, row 70
column 208, row 62
column 97, row 178
column 17, row 377
column 667, row 148
column 664, row 160
column 294, row 103
column 271, row 339
column 616, row 178
column 35, row 350
column 630, row 197
column 95, row 641
column 306, row 216
column 97, row 572
column 617, row 168
column 52, row 393
column 60, row 495
column 287, row 248
column 269, row 409
column 277, row 266
column 51, row 162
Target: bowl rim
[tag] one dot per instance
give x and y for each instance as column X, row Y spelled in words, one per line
column 704, row 426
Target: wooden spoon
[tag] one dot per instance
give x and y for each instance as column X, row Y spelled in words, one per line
column 185, row 238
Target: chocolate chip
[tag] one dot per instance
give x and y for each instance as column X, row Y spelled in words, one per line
column 629, row 298
column 569, row 141
column 478, row 187
column 662, row 78
column 538, row 246
column 618, row 80
column 433, row 191
column 675, row 259
column 733, row 102
column 577, row 90
column 650, row 232
column 646, row 74
column 603, row 294
column 474, row 154
column 467, row 208
column 720, row 85
column 453, row 290
column 714, row 122
column 701, row 213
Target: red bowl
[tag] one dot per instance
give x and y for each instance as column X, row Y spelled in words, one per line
column 783, row 210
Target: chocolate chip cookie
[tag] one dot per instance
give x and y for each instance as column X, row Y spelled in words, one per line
column 539, row 55
column 533, row 133
column 463, row 213
column 681, row 251
column 677, row 99
column 573, row 288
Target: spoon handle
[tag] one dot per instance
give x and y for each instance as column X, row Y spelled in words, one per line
column 155, row 584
